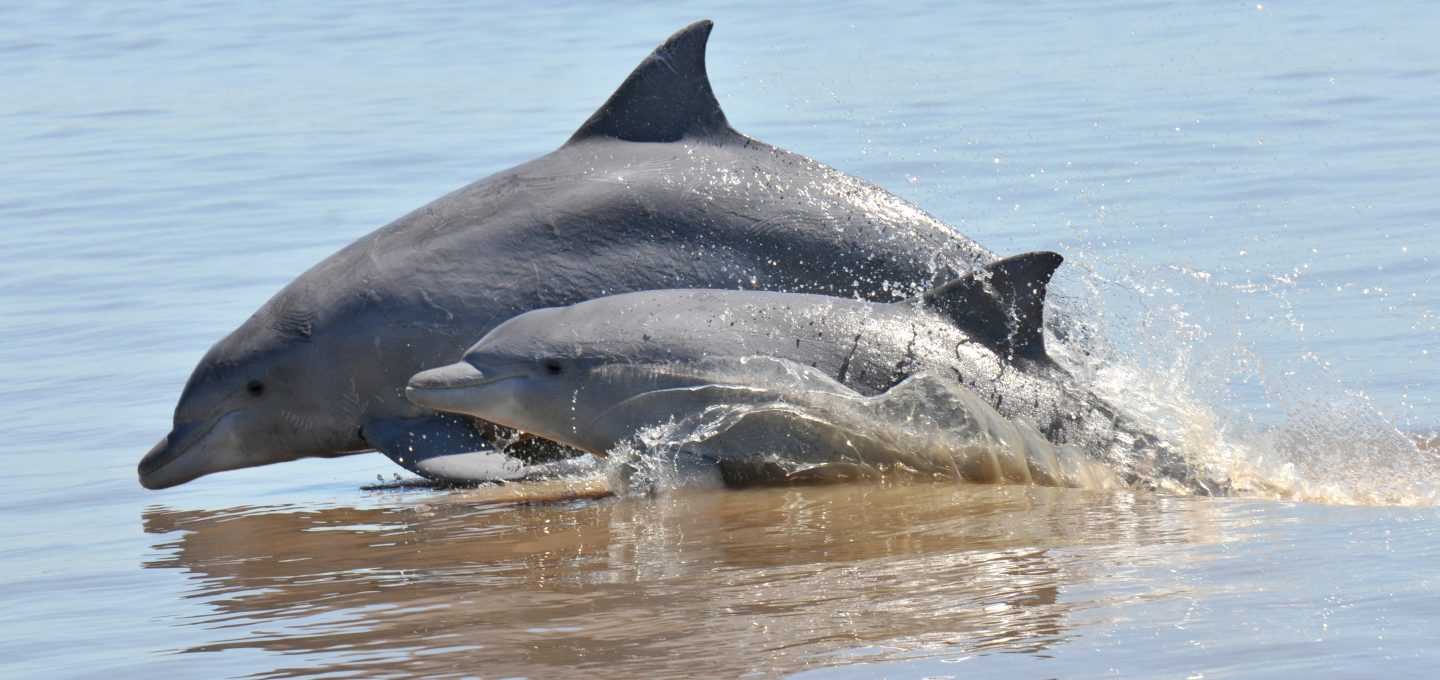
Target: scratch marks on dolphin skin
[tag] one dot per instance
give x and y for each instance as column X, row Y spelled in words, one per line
column 298, row 421
column 845, row 363
column 351, row 401
column 429, row 225
column 959, row 376
column 295, row 323
column 663, row 57
column 908, row 359
column 904, row 366
column 430, row 302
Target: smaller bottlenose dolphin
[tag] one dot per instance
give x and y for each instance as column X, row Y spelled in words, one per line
column 587, row 375
column 755, row 420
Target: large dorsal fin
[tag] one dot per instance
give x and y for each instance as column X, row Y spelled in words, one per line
column 1003, row 304
column 666, row 98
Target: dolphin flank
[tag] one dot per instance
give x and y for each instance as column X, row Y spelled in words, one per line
column 655, row 190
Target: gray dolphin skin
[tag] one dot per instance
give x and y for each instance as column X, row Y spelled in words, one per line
column 589, row 374
column 655, row 190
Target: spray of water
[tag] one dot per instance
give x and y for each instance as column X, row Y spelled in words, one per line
column 1178, row 349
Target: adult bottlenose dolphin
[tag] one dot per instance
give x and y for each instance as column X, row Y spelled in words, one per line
column 655, row 190
column 589, row 375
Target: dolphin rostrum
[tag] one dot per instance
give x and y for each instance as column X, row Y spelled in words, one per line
column 655, row 190
column 590, row 374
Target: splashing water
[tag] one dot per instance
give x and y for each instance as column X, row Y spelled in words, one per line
column 1177, row 349
column 768, row 421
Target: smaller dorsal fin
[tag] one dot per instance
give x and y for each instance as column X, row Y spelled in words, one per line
column 666, row 98
column 1003, row 304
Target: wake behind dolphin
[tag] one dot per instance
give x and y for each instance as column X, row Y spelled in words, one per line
column 655, row 190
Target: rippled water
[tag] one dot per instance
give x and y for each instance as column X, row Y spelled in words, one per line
column 1244, row 193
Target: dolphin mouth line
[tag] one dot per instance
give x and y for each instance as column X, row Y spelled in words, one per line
column 477, row 382
column 149, row 467
column 443, row 397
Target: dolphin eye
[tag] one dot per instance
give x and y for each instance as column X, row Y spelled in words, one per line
column 552, row 366
column 255, row 388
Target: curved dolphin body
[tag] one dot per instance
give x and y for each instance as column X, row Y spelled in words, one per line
column 591, row 374
column 655, row 190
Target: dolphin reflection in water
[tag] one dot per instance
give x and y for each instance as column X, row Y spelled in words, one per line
column 422, row 586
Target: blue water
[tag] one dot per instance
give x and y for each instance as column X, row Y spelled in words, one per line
column 1245, row 194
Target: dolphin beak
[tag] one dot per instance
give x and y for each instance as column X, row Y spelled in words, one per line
column 171, row 447
column 459, row 374
column 444, row 388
